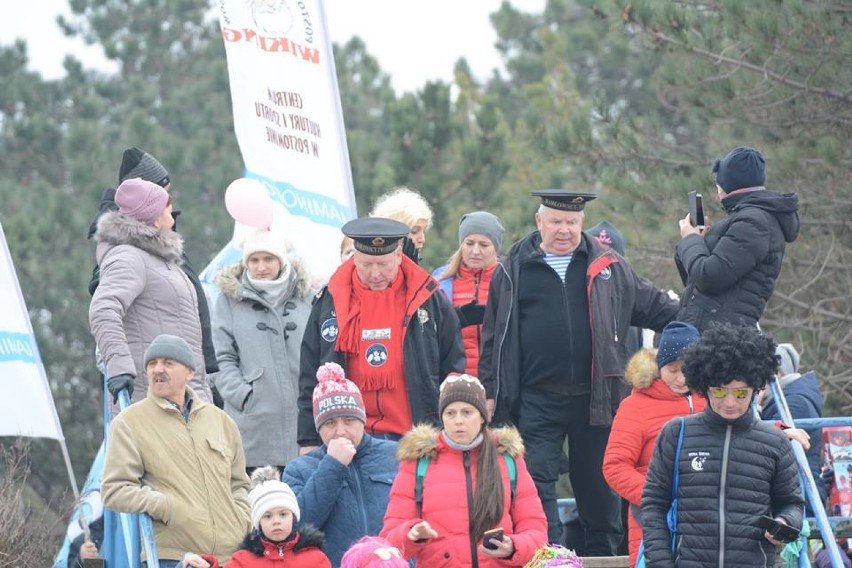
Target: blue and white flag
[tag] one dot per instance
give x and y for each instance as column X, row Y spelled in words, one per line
column 26, row 403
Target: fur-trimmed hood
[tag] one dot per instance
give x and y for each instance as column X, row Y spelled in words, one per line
column 423, row 440
column 115, row 229
column 309, row 536
column 642, row 369
column 229, row 278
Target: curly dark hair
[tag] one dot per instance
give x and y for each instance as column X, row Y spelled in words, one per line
column 726, row 353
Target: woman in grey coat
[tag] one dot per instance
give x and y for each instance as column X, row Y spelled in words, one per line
column 258, row 324
column 143, row 292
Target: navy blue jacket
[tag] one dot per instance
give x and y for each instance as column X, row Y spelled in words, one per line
column 345, row 502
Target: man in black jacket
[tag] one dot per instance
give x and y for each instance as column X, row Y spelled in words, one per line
column 733, row 468
column 730, row 270
column 553, row 352
column 136, row 163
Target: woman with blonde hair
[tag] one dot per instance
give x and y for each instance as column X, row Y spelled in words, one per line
column 466, row 277
column 409, row 207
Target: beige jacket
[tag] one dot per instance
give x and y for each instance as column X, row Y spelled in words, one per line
column 188, row 476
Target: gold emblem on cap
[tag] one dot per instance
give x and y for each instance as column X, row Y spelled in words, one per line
column 577, row 199
column 378, row 241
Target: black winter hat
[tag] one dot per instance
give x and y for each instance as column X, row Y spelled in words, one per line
column 139, row 163
column 742, row 167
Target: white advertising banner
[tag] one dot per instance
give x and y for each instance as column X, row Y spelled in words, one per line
column 26, row 404
column 288, row 120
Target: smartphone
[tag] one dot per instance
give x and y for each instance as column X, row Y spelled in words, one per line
column 779, row 531
column 696, row 209
column 496, row 534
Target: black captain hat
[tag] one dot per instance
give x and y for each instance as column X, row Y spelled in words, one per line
column 375, row 235
column 562, row 199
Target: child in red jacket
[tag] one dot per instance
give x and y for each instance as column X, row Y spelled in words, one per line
column 276, row 540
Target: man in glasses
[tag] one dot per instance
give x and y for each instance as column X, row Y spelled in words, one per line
column 732, row 469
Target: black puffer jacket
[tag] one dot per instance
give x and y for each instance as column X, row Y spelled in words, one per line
column 731, row 472
column 730, row 273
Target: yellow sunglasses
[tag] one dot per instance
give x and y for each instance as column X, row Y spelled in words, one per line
column 722, row 392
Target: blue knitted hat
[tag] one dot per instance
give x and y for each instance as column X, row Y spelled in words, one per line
column 742, row 167
column 677, row 336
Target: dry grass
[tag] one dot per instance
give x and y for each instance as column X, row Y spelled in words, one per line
column 27, row 536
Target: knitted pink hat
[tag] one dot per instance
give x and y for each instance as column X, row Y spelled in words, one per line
column 335, row 395
column 141, row 200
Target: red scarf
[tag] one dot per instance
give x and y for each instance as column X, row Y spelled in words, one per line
column 370, row 329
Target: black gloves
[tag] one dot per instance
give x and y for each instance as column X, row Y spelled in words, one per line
column 118, row 383
column 409, row 250
column 470, row 314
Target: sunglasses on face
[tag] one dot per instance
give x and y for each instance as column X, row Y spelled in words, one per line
column 722, row 392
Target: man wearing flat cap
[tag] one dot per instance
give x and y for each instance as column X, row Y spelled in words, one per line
column 553, row 352
column 381, row 317
column 179, row 460
column 729, row 270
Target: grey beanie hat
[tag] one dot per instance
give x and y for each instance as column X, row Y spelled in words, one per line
column 481, row 223
column 136, row 162
column 171, row 347
column 789, row 359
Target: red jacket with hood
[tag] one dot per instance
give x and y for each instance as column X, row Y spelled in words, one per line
column 445, row 504
column 639, row 419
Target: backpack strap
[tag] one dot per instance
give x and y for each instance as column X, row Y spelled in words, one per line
column 423, row 465
column 420, row 474
column 512, row 468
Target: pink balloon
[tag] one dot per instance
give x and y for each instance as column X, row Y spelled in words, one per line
column 249, row 203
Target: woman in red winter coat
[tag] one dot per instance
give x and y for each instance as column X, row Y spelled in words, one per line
column 659, row 394
column 275, row 540
column 466, row 489
column 467, row 275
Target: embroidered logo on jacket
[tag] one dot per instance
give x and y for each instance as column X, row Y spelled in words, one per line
column 329, row 329
column 698, row 459
column 376, row 355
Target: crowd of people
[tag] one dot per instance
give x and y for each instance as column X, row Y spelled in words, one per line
column 395, row 415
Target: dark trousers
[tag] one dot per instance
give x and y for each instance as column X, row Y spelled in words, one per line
column 545, row 420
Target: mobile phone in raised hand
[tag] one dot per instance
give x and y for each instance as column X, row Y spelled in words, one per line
column 696, row 209
column 496, row 534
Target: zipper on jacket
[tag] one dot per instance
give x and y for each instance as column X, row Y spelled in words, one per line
column 690, row 402
column 503, row 337
column 469, row 485
column 280, row 550
column 355, row 474
column 723, row 490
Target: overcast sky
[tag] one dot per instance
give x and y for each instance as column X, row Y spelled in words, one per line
column 414, row 40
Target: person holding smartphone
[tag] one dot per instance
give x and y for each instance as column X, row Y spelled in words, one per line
column 471, row 506
column 729, row 269
column 733, row 468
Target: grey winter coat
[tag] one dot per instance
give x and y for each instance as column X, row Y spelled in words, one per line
column 143, row 293
column 257, row 348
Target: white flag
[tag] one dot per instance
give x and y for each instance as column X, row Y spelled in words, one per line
column 288, row 121
column 26, row 404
